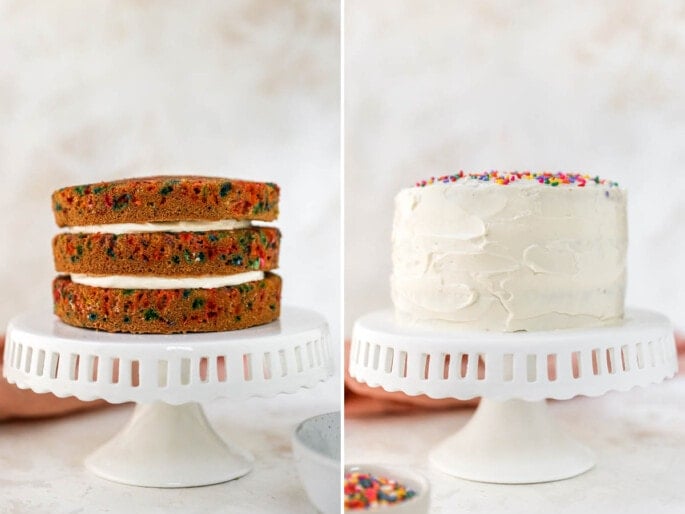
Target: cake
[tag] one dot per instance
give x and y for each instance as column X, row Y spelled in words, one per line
column 166, row 254
column 510, row 251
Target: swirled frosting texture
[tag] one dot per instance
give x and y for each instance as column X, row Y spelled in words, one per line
column 480, row 256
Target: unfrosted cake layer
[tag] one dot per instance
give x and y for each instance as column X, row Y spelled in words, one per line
column 167, row 311
column 168, row 253
column 165, row 198
column 510, row 251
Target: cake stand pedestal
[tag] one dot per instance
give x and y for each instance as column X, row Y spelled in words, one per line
column 511, row 438
column 168, row 441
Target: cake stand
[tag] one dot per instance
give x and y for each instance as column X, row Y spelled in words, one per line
column 511, row 438
column 168, row 441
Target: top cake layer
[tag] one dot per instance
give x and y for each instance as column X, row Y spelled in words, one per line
column 165, row 199
column 510, row 251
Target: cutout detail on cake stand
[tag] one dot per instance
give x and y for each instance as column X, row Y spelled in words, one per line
column 511, row 437
column 168, row 441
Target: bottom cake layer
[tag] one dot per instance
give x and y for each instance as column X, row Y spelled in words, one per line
column 168, row 311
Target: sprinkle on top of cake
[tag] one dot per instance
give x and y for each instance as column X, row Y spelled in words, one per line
column 504, row 178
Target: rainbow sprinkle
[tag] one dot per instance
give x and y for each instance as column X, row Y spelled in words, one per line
column 504, row 178
column 366, row 491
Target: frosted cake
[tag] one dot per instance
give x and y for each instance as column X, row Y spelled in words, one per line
column 510, row 251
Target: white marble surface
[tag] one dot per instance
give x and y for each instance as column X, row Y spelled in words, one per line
column 638, row 437
column 41, row 468
column 483, row 84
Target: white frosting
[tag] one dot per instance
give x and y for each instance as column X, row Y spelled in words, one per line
column 481, row 256
column 157, row 282
column 161, row 226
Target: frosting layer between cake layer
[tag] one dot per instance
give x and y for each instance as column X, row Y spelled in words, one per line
column 155, row 282
column 475, row 255
column 163, row 226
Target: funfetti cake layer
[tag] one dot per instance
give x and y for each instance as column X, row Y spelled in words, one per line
column 510, row 251
column 167, row 255
column 165, row 198
column 167, row 311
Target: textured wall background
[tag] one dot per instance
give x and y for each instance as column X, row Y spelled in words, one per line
column 440, row 86
column 100, row 90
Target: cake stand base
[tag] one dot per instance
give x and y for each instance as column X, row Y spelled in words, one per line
column 168, row 446
column 512, row 442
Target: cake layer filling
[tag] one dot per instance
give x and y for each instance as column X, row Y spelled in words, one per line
column 162, row 226
column 156, row 282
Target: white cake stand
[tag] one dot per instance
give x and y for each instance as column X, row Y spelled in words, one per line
column 511, row 438
column 168, row 442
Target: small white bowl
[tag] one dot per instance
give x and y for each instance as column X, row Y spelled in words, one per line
column 418, row 504
column 316, row 448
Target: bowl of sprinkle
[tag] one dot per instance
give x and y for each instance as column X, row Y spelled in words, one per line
column 375, row 487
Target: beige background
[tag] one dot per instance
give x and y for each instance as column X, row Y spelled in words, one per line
column 598, row 87
column 100, row 90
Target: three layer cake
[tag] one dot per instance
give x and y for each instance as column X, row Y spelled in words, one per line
column 167, row 254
